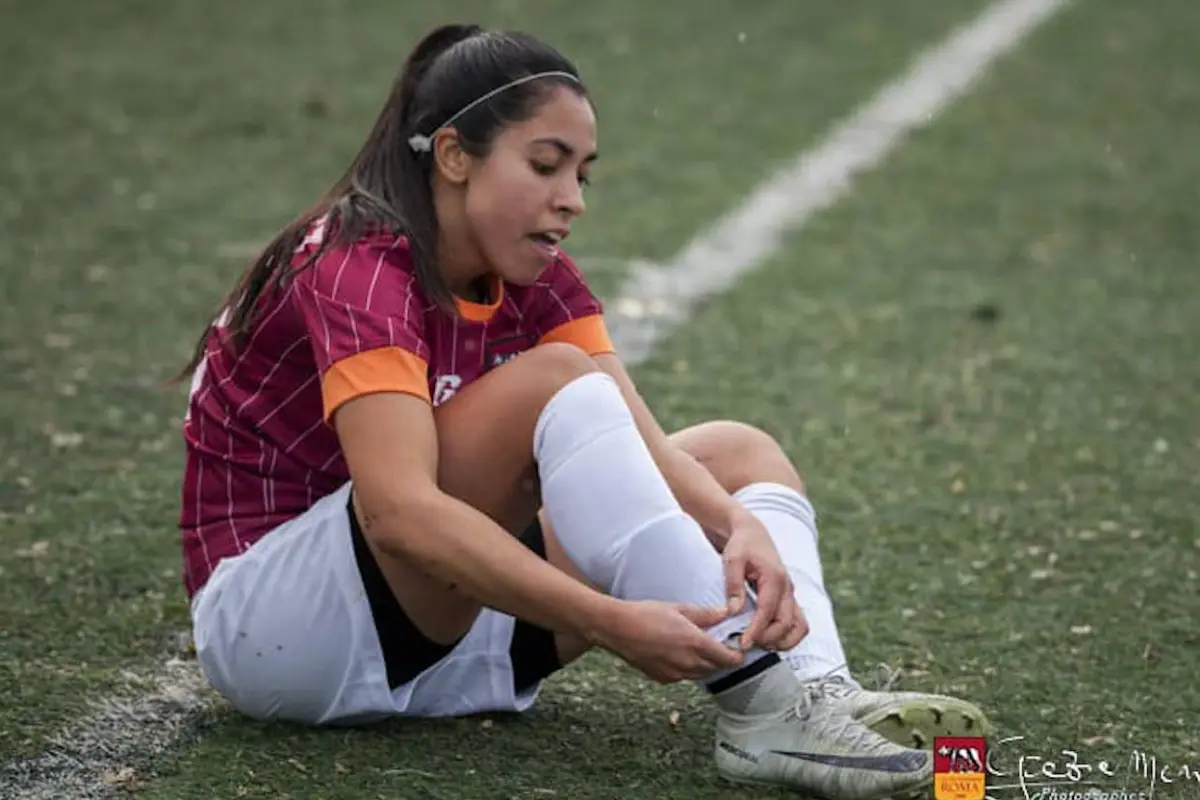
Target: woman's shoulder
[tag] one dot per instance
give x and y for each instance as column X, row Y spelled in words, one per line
column 373, row 262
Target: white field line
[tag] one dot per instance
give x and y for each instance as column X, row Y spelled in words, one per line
column 97, row 757
column 657, row 299
column 94, row 757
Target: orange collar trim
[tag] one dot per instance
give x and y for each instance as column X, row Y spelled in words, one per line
column 483, row 312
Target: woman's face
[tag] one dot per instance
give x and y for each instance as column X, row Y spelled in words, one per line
column 522, row 198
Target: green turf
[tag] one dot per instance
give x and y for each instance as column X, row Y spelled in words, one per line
column 983, row 360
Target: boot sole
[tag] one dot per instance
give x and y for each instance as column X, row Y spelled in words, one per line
column 915, row 723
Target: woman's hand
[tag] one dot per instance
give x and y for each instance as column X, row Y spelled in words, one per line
column 750, row 557
column 667, row 641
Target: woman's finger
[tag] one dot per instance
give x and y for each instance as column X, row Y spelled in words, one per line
column 770, row 593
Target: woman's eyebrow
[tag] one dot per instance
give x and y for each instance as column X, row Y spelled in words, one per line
column 565, row 148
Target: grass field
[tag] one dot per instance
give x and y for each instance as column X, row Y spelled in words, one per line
column 984, row 359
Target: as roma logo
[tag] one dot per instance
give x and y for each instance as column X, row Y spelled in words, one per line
column 959, row 770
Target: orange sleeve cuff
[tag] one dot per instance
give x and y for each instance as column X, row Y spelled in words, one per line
column 589, row 334
column 384, row 369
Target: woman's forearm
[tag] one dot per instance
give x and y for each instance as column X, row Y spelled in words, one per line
column 698, row 492
column 453, row 542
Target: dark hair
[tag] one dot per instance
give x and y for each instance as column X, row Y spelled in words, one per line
column 388, row 186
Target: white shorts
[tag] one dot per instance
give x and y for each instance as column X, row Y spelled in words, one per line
column 285, row 631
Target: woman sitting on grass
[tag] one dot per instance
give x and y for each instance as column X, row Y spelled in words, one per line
column 419, row 479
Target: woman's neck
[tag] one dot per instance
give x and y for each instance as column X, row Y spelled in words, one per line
column 461, row 264
column 477, row 291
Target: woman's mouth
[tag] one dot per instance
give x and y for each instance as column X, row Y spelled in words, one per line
column 546, row 243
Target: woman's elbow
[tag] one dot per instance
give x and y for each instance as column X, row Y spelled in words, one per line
column 400, row 524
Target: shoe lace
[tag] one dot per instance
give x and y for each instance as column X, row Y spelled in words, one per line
column 886, row 676
column 831, row 684
column 834, row 684
column 850, row 733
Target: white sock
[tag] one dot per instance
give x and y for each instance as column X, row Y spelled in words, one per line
column 613, row 512
column 791, row 521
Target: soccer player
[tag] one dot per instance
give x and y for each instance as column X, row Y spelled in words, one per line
column 419, row 480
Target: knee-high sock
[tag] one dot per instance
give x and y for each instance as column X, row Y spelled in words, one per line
column 791, row 521
column 615, row 515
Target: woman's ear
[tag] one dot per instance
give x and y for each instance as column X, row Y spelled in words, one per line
column 451, row 161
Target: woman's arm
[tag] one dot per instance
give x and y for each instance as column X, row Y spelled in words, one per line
column 697, row 490
column 391, row 448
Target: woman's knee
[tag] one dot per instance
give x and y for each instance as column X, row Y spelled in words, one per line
column 485, row 429
column 738, row 454
column 556, row 364
column 530, row 379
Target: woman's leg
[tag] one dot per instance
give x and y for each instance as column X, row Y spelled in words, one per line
column 751, row 465
column 549, row 427
column 740, row 456
column 486, row 460
column 815, row 743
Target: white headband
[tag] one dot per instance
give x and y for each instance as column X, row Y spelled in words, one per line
column 422, row 144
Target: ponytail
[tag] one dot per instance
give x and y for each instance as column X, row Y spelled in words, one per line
column 389, row 186
column 414, row 202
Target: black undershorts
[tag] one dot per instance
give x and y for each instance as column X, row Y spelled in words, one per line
column 407, row 652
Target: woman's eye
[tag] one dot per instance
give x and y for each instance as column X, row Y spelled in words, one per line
column 543, row 169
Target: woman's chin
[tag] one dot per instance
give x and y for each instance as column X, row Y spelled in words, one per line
column 523, row 274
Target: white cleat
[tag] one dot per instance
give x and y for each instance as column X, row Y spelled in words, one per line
column 816, row 746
